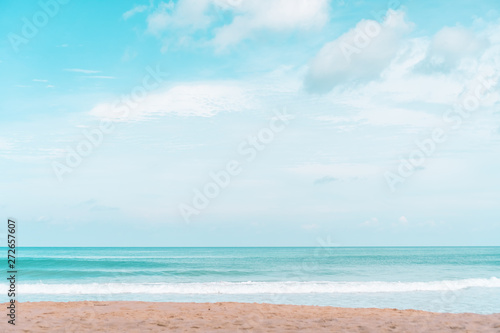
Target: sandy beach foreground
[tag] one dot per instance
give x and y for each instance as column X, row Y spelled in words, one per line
column 233, row 317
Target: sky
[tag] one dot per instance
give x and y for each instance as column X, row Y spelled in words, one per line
column 250, row 123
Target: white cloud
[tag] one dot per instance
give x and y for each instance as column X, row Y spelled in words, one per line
column 402, row 222
column 406, row 95
column 186, row 13
column 452, row 44
column 133, row 11
column 195, row 99
column 248, row 17
column 273, row 15
column 359, row 55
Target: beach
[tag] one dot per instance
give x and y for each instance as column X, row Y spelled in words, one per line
column 125, row 316
column 250, row 166
column 444, row 280
column 73, row 290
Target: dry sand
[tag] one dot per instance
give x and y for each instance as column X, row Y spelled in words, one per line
column 234, row 317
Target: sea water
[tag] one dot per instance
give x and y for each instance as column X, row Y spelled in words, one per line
column 442, row 279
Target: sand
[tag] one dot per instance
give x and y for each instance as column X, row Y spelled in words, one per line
column 233, row 317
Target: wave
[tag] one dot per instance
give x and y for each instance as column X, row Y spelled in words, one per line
column 288, row 287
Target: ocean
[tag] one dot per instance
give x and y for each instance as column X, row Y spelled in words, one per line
column 441, row 279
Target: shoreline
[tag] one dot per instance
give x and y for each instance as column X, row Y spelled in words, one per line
column 135, row 316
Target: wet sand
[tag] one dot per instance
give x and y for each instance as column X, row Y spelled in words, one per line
column 233, row 317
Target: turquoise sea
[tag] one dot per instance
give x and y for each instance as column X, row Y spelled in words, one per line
column 443, row 279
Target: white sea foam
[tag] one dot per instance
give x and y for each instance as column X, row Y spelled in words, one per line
column 289, row 287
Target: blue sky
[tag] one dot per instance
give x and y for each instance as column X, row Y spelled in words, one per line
column 361, row 122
